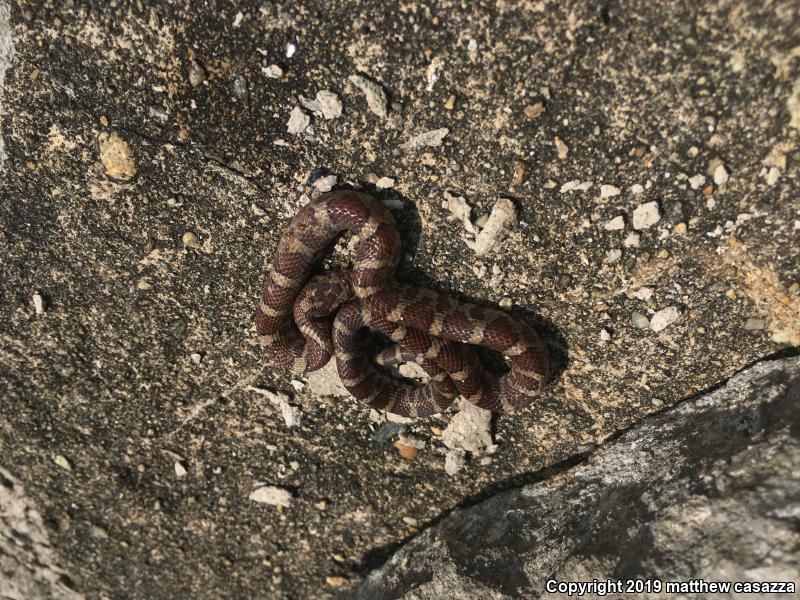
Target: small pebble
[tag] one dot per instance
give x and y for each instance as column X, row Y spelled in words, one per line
column 298, row 121
column 38, row 303
column 406, row 452
column 454, row 461
column 258, row 212
column 608, row 191
column 410, row 521
column 290, row 50
column 384, row 183
column 561, row 148
column 336, row 581
column 615, row 224
column 450, row 103
column 532, row 111
column 754, row 324
column 327, row 103
column 680, row 229
column 63, row 462
column 196, row 358
column 640, row 321
column 240, row 90
column 116, row 156
column 605, row 335
column 272, row 71
column 376, row 98
column 637, row 188
column 104, row 120
column 569, row 186
column 190, row 240
column 520, row 169
column 646, row 215
column 720, row 175
column 613, row 256
column 502, row 218
column 664, row 318
column 410, row 439
column 697, row 181
column 269, row 494
column 773, row 175
column 196, row 74
column 505, row 303
column 632, row 240
column 325, row 184
column 427, row 139
column 470, row 429
column 180, row 470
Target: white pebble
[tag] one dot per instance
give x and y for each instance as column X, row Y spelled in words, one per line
column 180, row 470
column 697, row 181
column 720, row 175
column 454, row 461
column 646, row 215
column 664, row 318
column 773, row 175
column 639, row 320
column 637, row 189
column 569, row 186
column 298, row 121
column 196, row 358
column 605, row 335
column 290, row 50
column 38, row 303
column 272, row 71
column 384, row 183
column 632, row 241
column 613, row 256
column 644, row 293
column 607, row 191
column 269, row 494
column 325, row 184
column 238, row 19
column 504, row 215
column 615, row 224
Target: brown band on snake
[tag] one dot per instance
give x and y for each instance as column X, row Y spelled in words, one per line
column 302, row 321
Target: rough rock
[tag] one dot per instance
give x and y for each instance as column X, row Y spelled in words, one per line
column 706, row 490
column 28, row 567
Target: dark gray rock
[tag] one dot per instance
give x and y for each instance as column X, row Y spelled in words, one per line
column 708, row 490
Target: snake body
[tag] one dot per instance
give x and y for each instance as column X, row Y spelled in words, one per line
column 303, row 321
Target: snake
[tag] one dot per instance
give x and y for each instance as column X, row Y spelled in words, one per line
column 304, row 319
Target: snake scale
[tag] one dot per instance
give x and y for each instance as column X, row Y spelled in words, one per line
column 303, row 321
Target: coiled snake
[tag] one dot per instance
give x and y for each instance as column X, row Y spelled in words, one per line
column 304, row 320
